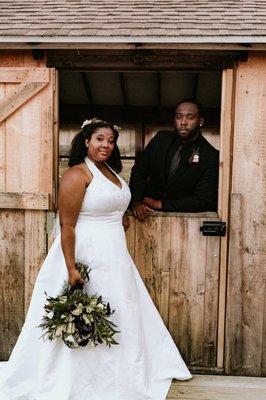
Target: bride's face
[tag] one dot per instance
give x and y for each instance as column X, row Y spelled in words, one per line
column 100, row 145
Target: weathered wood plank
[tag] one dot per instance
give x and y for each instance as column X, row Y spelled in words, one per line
column 19, row 95
column 192, row 263
column 130, row 237
column 152, row 258
column 234, row 312
column 26, row 201
column 222, row 381
column 199, row 393
column 245, row 329
column 23, row 74
column 2, row 144
column 211, row 301
column 48, row 141
column 225, row 172
column 187, row 289
column 208, row 387
column 12, row 239
column 21, row 58
column 55, row 80
column 14, row 151
column 35, row 232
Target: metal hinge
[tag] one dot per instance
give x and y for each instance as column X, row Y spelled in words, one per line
column 213, row 228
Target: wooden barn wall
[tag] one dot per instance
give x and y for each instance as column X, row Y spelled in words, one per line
column 26, row 182
column 245, row 314
column 23, row 238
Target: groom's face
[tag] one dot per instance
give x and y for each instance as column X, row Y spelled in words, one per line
column 187, row 120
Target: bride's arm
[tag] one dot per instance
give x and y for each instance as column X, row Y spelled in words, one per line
column 71, row 193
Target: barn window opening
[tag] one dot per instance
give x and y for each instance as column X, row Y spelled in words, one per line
column 141, row 103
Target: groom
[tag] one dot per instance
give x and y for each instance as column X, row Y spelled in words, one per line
column 178, row 170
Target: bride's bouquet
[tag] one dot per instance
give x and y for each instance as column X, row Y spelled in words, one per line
column 77, row 318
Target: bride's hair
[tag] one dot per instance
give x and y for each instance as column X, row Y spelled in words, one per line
column 78, row 150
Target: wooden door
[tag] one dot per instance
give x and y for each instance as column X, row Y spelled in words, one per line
column 26, row 188
column 180, row 268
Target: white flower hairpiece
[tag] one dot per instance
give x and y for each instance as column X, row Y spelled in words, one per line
column 90, row 121
column 93, row 120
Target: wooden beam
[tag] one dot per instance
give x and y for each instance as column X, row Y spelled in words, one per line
column 148, row 60
column 87, row 87
column 25, row 201
column 18, row 97
column 164, row 43
column 159, row 89
column 195, row 85
column 23, row 74
column 123, row 88
column 132, row 114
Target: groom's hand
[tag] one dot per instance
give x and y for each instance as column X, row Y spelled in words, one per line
column 154, row 204
column 140, row 210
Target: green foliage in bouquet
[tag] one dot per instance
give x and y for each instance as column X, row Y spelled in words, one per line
column 77, row 318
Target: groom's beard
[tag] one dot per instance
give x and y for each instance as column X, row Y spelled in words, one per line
column 190, row 136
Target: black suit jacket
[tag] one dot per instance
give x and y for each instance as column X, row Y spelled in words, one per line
column 194, row 186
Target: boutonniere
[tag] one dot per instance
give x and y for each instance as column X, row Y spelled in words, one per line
column 194, row 158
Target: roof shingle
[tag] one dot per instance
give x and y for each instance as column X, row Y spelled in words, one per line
column 125, row 18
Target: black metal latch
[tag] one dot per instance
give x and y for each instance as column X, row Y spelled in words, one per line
column 213, row 228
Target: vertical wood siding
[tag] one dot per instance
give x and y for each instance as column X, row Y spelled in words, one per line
column 245, row 314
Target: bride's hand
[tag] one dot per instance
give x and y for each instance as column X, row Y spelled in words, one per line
column 74, row 277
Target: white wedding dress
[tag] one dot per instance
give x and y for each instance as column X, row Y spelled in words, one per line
column 142, row 366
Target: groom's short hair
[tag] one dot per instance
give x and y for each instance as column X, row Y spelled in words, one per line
column 193, row 101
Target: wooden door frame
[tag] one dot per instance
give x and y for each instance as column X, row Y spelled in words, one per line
column 225, row 180
column 225, row 171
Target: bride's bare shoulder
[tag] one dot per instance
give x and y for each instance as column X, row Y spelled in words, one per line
column 76, row 175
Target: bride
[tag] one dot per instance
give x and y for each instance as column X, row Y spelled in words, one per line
column 92, row 202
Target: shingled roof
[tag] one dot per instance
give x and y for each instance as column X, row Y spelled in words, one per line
column 125, row 20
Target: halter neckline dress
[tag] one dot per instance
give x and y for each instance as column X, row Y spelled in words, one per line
column 146, row 360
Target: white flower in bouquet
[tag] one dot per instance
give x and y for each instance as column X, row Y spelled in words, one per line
column 50, row 314
column 87, row 319
column 93, row 303
column 78, row 310
column 59, row 331
column 71, row 341
column 70, row 327
column 63, row 299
